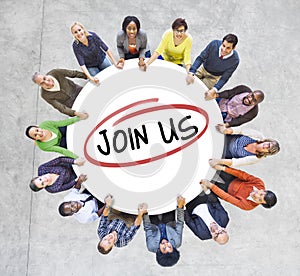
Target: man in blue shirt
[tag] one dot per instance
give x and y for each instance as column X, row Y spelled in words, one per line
column 217, row 62
column 115, row 232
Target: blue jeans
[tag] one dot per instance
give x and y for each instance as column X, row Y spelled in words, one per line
column 95, row 70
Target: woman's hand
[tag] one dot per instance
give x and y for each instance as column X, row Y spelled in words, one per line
column 142, row 64
column 120, row 63
column 79, row 161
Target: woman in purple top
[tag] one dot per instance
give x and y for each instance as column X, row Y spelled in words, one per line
column 90, row 51
column 57, row 175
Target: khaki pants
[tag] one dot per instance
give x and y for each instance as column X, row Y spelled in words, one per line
column 208, row 79
column 129, row 219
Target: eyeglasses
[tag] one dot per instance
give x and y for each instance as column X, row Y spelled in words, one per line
column 216, row 235
column 251, row 98
column 181, row 31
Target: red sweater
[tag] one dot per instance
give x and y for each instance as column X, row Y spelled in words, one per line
column 239, row 189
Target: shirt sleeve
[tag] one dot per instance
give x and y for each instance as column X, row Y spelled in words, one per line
column 100, row 42
column 77, row 53
column 60, row 107
column 187, row 52
column 66, row 122
column 225, row 76
column 201, row 58
column 163, row 43
column 237, row 201
column 120, row 44
column 62, row 151
column 179, row 224
column 252, row 133
column 247, row 160
column 103, row 223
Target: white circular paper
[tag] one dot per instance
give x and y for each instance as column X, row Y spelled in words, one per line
column 136, row 110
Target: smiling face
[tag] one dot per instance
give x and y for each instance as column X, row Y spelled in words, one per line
column 72, row 207
column 108, row 241
column 79, row 33
column 226, row 48
column 258, row 195
column 43, row 181
column 131, row 30
column 250, row 99
column 179, row 33
column 165, row 247
column 218, row 233
column 37, row 133
column 44, row 81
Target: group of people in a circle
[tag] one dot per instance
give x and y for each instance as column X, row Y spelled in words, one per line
column 204, row 215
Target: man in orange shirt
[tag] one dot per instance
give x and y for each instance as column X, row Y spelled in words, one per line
column 241, row 189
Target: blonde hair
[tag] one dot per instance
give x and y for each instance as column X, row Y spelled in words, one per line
column 80, row 25
column 275, row 148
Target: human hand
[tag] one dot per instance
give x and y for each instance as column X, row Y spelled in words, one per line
column 205, row 184
column 142, row 208
column 95, row 80
column 82, row 178
column 189, row 79
column 213, row 162
column 180, row 202
column 210, row 94
column 142, row 64
column 108, row 200
column 120, row 63
column 82, row 115
column 219, row 167
column 224, row 129
column 79, row 161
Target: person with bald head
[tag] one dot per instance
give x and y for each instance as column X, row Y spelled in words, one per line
column 238, row 105
column 207, row 218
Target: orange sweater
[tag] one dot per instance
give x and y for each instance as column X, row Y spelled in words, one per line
column 239, row 189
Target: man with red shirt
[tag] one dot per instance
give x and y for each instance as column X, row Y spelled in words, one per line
column 241, row 189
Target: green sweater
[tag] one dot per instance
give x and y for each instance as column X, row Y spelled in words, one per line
column 53, row 144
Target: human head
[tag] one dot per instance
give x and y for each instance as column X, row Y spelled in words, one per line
column 167, row 259
column 78, row 27
column 231, row 38
column 128, row 19
column 43, row 81
column 38, row 183
column 69, row 208
column 107, row 243
column 178, row 23
column 34, row 133
column 272, row 147
column 218, row 233
column 270, row 199
column 254, row 98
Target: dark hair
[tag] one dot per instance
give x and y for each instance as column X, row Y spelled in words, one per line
column 270, row 199
column 231, row 38
column 27, row 132
column 61, row 210
column 32, row 185
column 179, row 22
column 128, row 19
column 168, row 259
column 102, row 250
column 260, row 95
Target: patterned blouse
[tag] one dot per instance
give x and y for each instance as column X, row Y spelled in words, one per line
column 235, row 148
column 63, row 167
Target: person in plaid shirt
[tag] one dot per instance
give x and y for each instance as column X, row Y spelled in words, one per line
column 115, row 232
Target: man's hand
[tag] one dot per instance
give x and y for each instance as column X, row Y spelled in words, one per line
column 120, row 63
column 205, row 184
column 142, row 208
column 79, row 161
column 108, row 200
column 210, row 94
column 82, row 178
column 189, row 79
column 213, row 162
column 223, row 128
column 81, row 115
column 180, row 202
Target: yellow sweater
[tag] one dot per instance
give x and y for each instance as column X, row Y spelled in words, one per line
column 180, row 54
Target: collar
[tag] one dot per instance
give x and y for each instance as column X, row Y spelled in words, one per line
column 227, row 56
column 250, row 197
